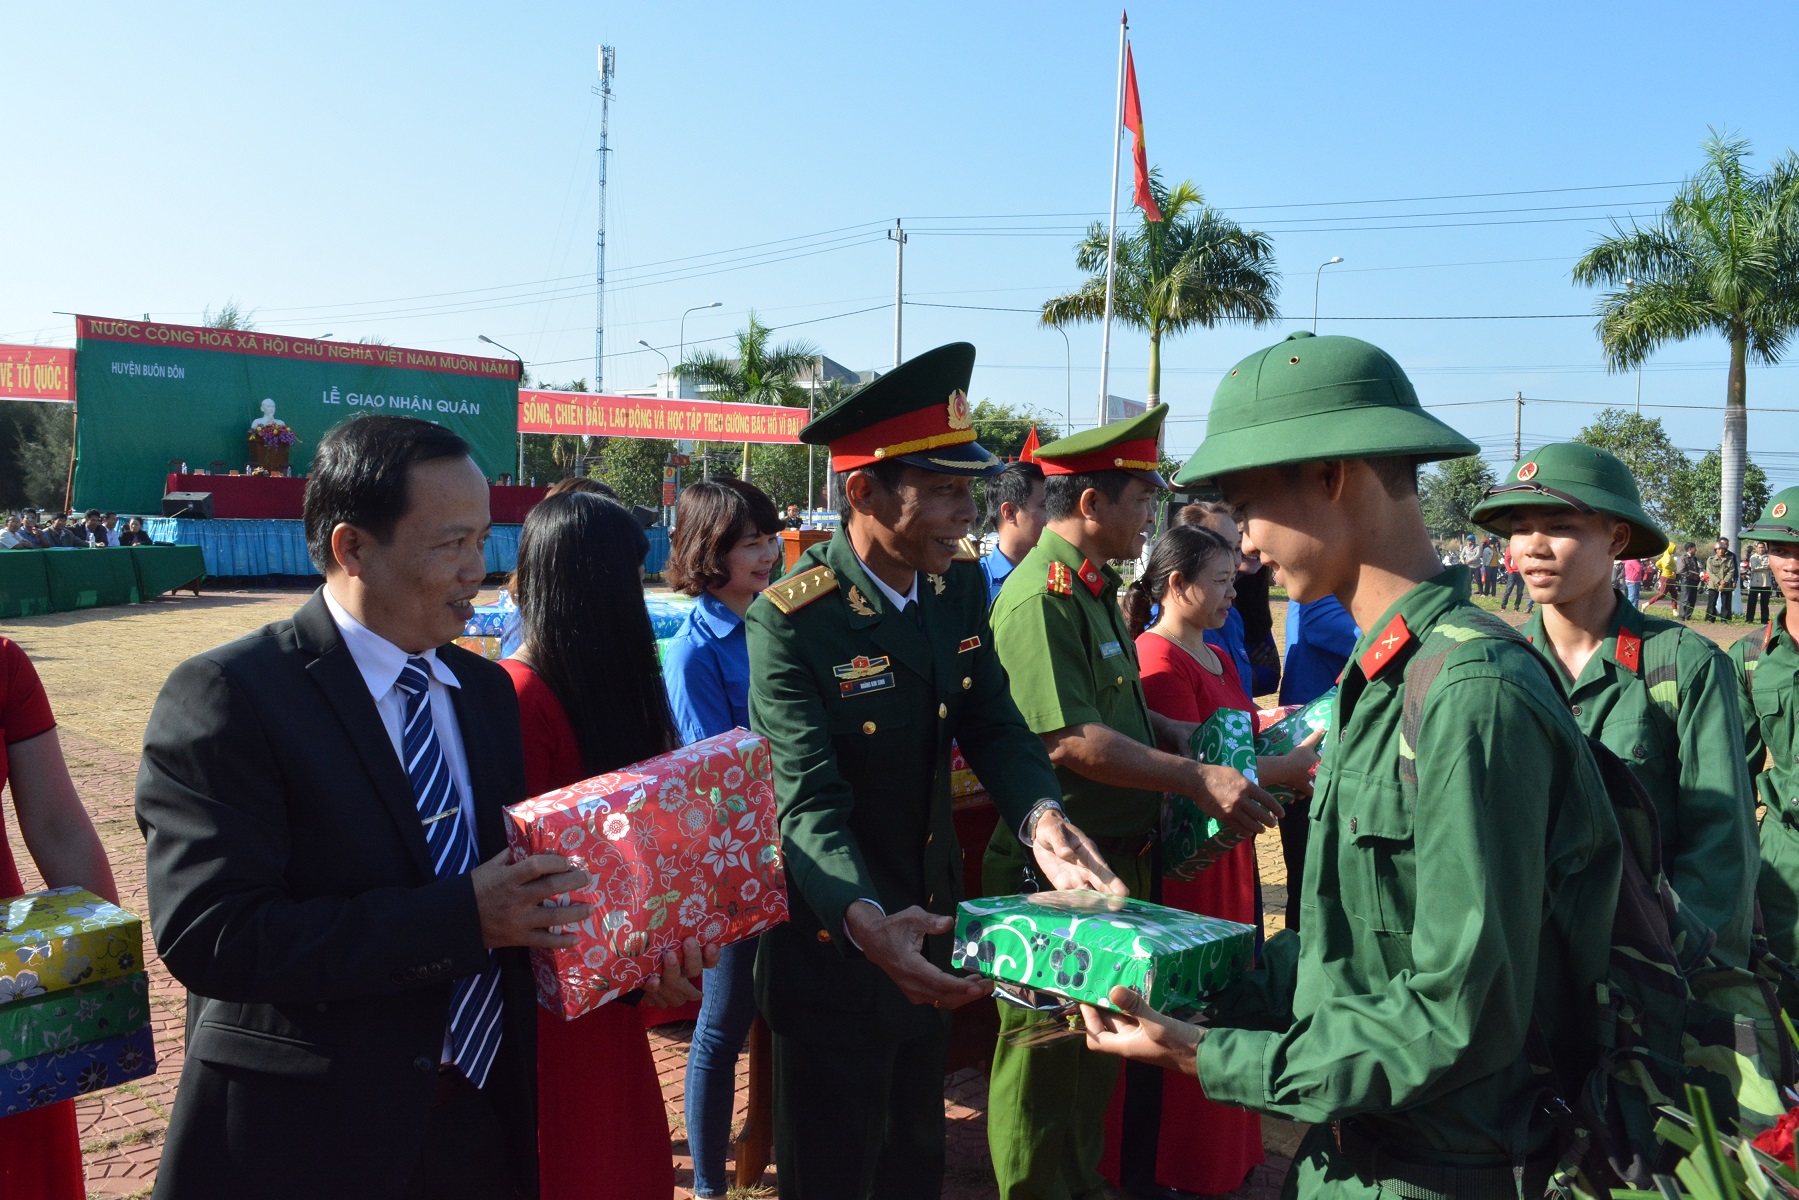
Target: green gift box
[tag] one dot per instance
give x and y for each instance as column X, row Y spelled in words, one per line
column 1081, row 944
column 60, row 939
column 56, row 1021
column 1193, row 840
column 1280, row 730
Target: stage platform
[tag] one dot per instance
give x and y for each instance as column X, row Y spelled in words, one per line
column 257, row 549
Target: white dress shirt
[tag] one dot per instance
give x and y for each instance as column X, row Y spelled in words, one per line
column 898, row 601
column 380, row 662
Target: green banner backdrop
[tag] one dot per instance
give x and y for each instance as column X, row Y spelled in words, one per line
column 148, row 394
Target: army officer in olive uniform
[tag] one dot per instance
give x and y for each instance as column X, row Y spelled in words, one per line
column 865, row 662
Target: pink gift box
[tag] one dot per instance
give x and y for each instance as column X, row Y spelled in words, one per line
column 682, row 845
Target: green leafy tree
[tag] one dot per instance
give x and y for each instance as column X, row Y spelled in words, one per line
column 1003, row 428
column 757, row 374
column 231, row 315
column 1449, row 491
column 36, row 442
column 1695, row 507
column 632, row 467
column 1722, row 259
column 1195, row 267
column 1655, row 462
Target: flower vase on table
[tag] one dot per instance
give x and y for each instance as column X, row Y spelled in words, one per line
column 270, row 440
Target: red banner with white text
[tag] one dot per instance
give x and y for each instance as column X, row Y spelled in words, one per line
column 37, row 373
column 629, row 416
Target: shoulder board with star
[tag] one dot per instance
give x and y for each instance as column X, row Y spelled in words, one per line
column 796, row 591
column 1061, row 579
column 967, row 551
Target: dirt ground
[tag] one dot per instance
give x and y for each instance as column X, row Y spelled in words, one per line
column 103, row 668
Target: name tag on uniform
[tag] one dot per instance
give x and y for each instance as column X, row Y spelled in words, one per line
column 1110, row 649
column 860, row 687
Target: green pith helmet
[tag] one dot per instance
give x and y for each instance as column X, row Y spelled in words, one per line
column 916, row 414
column 1128, row 445
column 1779, row 522
column 1578, row 476
column 1307, row 399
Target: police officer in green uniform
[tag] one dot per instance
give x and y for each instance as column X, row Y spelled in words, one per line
column 1767, row 670
column 1659, row 696
column 1073, row 668
column 865, row 662
column 1461, row 873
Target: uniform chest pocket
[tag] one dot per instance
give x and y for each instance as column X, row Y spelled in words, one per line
column 1376, row 859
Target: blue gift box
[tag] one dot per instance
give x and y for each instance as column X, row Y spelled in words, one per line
column 489, row 620
column 63, row 1074
column 668, row 612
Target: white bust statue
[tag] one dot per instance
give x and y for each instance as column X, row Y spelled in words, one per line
column 268, row 415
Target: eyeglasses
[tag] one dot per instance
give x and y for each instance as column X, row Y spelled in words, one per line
column 1574, row 502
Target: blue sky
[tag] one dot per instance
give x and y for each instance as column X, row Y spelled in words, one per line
column 425, row 173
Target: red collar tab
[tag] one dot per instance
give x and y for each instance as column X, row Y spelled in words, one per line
column 1391, row 640
column 1629, row 651
column 1090, row 575
column 1061, row 583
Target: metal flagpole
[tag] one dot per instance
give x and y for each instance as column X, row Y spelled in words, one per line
column 1105, row 336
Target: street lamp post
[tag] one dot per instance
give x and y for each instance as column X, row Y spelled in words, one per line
column 1316, row 277
column 683, row 345
column 520, row 477
column 667, row 368
column 1067, row 380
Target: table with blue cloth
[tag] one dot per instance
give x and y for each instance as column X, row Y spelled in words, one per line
column 261, row 548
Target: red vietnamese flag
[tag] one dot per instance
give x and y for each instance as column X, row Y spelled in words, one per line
column 1133, row 121
column 1028, row 452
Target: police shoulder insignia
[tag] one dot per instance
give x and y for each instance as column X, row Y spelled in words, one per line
column 794, row 593
column 967, row 551
column 1061, row 579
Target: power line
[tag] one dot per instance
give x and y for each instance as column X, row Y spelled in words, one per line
column 723, row 337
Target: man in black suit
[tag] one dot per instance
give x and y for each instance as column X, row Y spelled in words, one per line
column 321, row 802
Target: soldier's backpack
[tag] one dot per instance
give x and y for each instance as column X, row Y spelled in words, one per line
column 1667, row 1012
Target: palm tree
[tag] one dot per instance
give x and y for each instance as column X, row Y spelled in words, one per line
column 1194, row 267
column 1724, row 259
column 757, row 375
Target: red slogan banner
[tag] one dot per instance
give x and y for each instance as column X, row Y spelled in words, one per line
column 240, row 341
column 627, row 416
column 37, row 373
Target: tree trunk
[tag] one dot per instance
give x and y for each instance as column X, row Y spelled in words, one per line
column 1736, row 440
column 1155, row 368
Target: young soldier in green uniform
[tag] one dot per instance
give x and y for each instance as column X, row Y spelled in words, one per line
column 865, row 663
column 1660, row 697
column 1073, row 668
column 1461, row 873
column 1767, row 669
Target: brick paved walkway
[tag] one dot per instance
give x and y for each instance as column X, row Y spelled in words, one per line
column 102, row 669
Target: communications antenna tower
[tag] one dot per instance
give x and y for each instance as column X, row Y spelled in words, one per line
column 604, row 92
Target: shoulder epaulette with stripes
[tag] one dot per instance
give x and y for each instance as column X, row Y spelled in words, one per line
column 1061, row 579
column 795, row 592
column 967, row 551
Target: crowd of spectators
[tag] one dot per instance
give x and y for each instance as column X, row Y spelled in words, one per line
column 34, row 529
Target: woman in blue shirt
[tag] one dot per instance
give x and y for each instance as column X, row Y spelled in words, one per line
column 723, row 551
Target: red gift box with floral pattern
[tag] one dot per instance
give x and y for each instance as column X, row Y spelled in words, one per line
column 682, row 845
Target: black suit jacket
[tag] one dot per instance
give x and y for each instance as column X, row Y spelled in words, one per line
column 291, row 892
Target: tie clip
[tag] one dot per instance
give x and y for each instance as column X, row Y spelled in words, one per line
column 448, row 812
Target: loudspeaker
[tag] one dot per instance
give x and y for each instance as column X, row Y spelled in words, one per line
column 187, row 504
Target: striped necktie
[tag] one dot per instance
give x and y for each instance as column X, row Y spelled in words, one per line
column 475, row 1005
